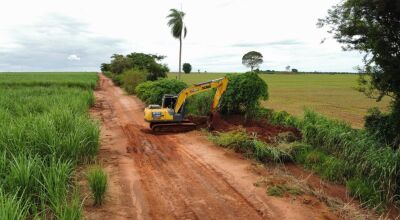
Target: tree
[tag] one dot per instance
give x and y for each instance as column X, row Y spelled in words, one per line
column 252, row 59
column 105, row 67
column 295, row 70
column 119, row 63
column 187, row 68
column 148, row 62
column 243, row 95
column 178, row 30
column 287, row 68
column 372, row 27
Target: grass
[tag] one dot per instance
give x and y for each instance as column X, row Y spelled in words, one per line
column 97, row 179
column 11, row 207
column 280, row 190
column 331, row 95
column 342, row 154
column 75, row 79
column 45, row 132
column 240, row 141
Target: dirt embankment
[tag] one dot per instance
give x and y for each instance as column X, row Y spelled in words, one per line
column 179, row 176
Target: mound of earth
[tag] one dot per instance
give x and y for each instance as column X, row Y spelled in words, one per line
column 261, row 128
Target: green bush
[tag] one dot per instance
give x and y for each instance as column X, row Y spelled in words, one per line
column 283, row 118
column 97, row 179
column 152, row 92
column 263, row 113
column 243, row 94
column 131, row 78
column 200, row 104
column 108, row 74
column 385, row 127
column 117, row 79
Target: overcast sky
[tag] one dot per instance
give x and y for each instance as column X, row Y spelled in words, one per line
column 79, row 35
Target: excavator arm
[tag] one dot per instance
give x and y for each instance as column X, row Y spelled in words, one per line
column 221, row 85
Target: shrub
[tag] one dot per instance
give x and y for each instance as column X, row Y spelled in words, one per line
column 131, row 78
column 263, row 113
column 283, row 118
column 97, row 179
column 152, row 92
column 117, row 79
column 383, row 126
column 200, row 104
column 243, row 94
column 187, row 68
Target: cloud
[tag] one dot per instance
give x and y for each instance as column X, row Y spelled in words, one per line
column 45, row 45
column 73, row 57
column 271, row 43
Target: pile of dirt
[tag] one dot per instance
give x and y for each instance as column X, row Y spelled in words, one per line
column 262, row 129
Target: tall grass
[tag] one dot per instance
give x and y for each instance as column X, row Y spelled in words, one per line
column 364, row 156
column 45, row 131
column 97, row 179
column 46, row 79
column 241, row 142
column 12, row 208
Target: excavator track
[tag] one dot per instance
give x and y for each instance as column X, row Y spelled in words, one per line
column 159, row 127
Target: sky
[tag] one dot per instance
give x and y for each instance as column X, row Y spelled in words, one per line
column 77, row 35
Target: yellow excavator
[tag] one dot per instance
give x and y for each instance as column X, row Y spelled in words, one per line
column 170, row 116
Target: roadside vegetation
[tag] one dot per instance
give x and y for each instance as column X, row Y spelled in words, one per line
column 45, row 132
column 97, row 179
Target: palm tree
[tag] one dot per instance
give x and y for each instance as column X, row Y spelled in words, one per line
column 177, row 27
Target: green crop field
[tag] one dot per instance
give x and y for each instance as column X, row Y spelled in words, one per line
column 45, row 131
column 333, row 95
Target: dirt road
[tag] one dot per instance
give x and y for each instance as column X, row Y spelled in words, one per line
column 177, row 176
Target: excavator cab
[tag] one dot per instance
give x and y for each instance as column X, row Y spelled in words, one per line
column 169, row 101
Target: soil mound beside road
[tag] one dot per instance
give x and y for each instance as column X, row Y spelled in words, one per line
column 261, row 128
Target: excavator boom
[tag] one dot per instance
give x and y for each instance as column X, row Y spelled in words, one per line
column 220, row 84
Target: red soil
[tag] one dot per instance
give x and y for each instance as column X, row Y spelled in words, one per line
column 260, row 128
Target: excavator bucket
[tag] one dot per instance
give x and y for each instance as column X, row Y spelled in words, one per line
column 212, row 120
